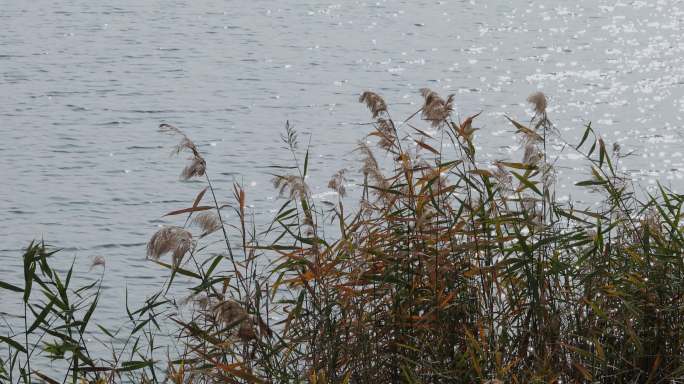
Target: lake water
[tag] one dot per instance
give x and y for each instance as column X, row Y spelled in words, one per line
column 83, row 87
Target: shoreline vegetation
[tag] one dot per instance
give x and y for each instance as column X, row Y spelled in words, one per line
column 446, row 270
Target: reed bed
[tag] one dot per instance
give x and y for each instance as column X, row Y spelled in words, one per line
column 448, row 269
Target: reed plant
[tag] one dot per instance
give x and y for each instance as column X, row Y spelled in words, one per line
column 447, row 268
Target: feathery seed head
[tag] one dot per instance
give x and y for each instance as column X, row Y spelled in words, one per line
column 98, row 261
column 294, row 184
column 197, row 166
column 532, row 155
column 208, row 221
column 538, row 101
column 171, row 239
column 336, row 183
column 386, row 133
column 370, row 168
column 229, row 312
column 502, row 176
column 375, row 103
column 436, row 109
column 246, row 331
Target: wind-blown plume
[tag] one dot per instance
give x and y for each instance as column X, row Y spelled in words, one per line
column 336, row 183
column 208, row 221
column 232, row 313
column 172, row 239
column 538, row 101
column 294, row 184
column 370, row 168
column 386, row 133
column 436, row 109
column 198, row 165
column 98, row 261
column 374, row 102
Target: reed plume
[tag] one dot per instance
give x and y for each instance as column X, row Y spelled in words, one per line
column 336, row 183
column 98, row 261
column 385, row 131
column 503, row 177
column 375, row 103
column 539, row 102
column 209, row 222
column 170, row 239
column 532, row 155
column 435, row 109
column 370, row 168
column 197, row 166
column 295, row 186
column 231, row 314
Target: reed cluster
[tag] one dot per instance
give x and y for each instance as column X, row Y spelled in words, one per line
column 448, row 269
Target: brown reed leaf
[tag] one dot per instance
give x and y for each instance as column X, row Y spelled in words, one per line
column 421, row 143
column 527, row 135
column 190, row 210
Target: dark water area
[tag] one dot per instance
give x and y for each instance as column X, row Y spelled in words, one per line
column 84, row 85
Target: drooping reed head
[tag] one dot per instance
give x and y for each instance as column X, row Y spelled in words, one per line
column 198, row 165
column 375, row 103
column 208, row 221
column 196, row 168
column 436, row 109
column 230, row 313
column 171, row 239
column 385, row 131
column 532, row 155
column 539, row 102
column 336, row 183
column 294, row 185
column 503, row 177
column 98, row 261
column 370, row 168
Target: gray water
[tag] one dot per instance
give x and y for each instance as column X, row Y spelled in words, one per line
column 83, row 86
